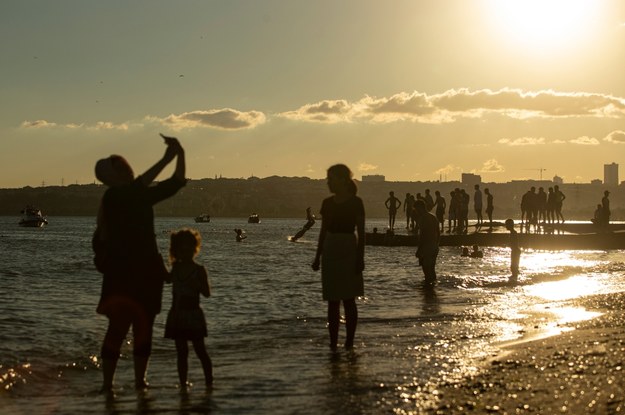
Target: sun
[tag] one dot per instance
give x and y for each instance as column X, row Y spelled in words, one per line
column 543, row 25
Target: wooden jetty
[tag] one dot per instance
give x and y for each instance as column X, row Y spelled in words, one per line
column 543, row 241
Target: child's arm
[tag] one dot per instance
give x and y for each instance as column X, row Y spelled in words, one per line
column 204, row 285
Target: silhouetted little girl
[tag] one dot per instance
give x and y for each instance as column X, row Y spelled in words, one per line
column 185, row 320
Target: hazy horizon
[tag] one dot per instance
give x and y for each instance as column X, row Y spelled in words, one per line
column 412, row 90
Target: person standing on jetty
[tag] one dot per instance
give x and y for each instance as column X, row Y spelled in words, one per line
column 392, row 204
column 441, row 205
column 477, row 205
column 126, row 253
column 490, row 207
column 341, row 252
column 429, row 237
column 559, row 199
column 605, row 207
column 185, row 320
column 515, row 251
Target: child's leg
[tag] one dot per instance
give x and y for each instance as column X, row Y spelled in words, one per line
column 334, row 318
column 182, row 351
column 207, row 365
column 351, row 321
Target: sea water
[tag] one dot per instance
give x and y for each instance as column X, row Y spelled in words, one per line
column 267, row 322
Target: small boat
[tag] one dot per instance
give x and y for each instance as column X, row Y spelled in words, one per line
column 32, row 218
column 254, row 218
column 203, row 218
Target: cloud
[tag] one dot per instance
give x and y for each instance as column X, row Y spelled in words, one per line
column 448, row 169
column 616, row 137
column 98, row 126
column 454, row 104
column 366, row 167
column 522, row 141
column 225, row 119
column 37, row 124
column 585, row 141
column 492, row 166
column 327, row 111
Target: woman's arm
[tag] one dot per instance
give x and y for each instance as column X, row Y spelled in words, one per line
column 173, row 148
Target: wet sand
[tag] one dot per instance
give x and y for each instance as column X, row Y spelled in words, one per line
column 577, row 372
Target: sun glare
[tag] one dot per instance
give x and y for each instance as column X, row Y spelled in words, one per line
column 543, row 25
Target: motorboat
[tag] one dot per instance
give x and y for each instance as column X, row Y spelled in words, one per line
column 254, row 218
column 32, row 218
column 203, row 218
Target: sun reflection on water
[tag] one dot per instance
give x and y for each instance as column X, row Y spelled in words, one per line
column 568, row 289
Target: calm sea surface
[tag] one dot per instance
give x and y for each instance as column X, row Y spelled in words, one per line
column 267, row 325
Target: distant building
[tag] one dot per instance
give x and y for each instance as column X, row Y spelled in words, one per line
column 471, row 179
column 596, row 182
column 610, row 174
column 557, row 180
column 374, row 178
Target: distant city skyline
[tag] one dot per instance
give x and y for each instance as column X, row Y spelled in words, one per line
column 413, row 90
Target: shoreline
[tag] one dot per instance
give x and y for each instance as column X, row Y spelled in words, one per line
column 578, row 371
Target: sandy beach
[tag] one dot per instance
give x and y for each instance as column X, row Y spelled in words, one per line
column 577, row 372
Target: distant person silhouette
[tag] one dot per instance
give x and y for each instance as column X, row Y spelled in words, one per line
column 429, row 237
column 310, row 221
column 240, row 234
column 598, row 216
column 541, row 206
column 441, row 205
column 551, row 205
column 476, row 253
column 452, row 216
column 429, row 201
column 605, row 206
column 392, row 204
column 127, row 255
column 490, row 207
column 515, row 251
column 185, row 320
column 477, row 204
column 465, row 199
column 408, row 208
column 559, row 200
column 341, row 252
column 408, row 201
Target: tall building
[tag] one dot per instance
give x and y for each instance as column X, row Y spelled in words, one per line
column 471, row 179
column 610, row 174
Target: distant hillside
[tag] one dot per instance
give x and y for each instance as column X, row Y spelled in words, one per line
column 289, row 196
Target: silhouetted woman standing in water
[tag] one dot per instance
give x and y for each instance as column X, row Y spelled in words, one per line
column 341, row 252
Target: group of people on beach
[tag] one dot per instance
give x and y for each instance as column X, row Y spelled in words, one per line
column 134, row 273
column 542, row 207
column 457, row 209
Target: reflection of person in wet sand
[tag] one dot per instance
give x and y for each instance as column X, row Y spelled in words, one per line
column 429, row 236
column 392, row 204
column 515, row 251
column 310, row 221
column 341, row 252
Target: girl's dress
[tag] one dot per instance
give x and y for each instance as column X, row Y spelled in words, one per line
column 185, row 320
column 339, row 278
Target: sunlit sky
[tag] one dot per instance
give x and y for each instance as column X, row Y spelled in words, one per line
column 414, row 90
